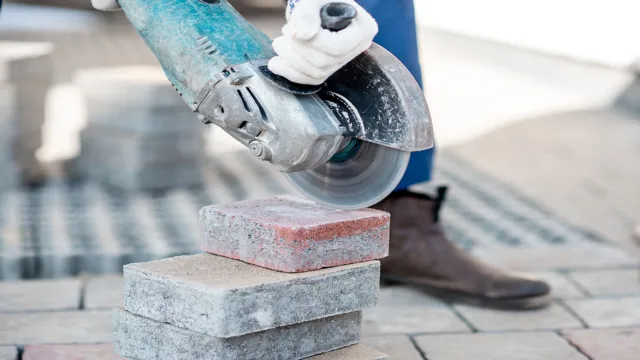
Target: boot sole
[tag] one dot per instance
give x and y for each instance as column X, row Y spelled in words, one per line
column 452, row 296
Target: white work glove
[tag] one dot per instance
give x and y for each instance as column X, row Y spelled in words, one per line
column 106, row 5
column 308, row 54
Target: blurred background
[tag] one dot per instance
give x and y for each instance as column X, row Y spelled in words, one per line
column 536, row 109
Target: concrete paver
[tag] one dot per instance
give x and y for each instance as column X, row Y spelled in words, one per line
column 521, row 346
column 70, row 352
column 144, row 339
column 105, row 292
column 610, row 312
column 222, row 297
column 550, row 318
column 8, row 353
column 39, row 295
column 293, row 234
column 606, row 344
column 560, row 257
column 411, row 320
column 609, row 282
column 68, row 327
column 396, row 346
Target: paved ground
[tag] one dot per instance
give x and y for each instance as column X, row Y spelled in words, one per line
column 538, row 133
column 595, row 316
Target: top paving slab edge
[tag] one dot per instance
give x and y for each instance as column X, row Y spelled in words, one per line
column 16, row 50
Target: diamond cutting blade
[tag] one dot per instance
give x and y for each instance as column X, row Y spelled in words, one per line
column 365, row 176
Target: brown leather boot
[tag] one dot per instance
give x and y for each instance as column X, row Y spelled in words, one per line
column 420, row 254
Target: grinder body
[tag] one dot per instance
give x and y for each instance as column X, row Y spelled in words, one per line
column 217, row 61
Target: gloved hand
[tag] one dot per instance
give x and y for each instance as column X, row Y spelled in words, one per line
column 309, row 54
column 106, row 5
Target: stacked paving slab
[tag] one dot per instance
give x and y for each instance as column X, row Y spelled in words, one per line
column 139, row 135
column 280, row 278
column 25, row 79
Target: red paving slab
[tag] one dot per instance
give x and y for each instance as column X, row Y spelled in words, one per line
column 294, row 235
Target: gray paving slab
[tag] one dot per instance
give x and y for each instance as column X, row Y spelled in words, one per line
column 222, row 297
column 39, row 295
column 106, row 292
column 130, row 150
column 553, row 317
column 503, row 346
column 141, row 338
column 128, row 86
column 70, row 352
column 560, row 257
column 21, row 61
column 618, row 282
column 411, row 320
column 150, row 120
column 396, row 346
column 606, row 344
column 609, row 312
column 166, row 176
column 64, row 327
column 8, row 353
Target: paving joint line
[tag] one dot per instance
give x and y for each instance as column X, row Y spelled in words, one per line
column 561, row 303
column 463, row 319
column 559, row 332
column 422, row 354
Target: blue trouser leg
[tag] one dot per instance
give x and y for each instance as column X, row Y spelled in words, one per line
column 398, row 34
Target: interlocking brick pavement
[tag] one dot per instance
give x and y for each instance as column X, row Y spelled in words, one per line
column 105, row 292
column 396, row 346
column 509, row 346
column 38, row 295
column 8, row 353
column 608, row 312
column 411, row 320
column 615, row 282
column 64, row 327
column 70, row 352
column 606, row 344
column 553, row 317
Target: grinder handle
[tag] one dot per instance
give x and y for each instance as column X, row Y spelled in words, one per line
column 337, row 16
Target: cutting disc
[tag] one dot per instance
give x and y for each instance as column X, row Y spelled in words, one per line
column 359, row 176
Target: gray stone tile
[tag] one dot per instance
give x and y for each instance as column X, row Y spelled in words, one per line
column 503, row 346
column 560, row 257
column 613, row 312
column 609, row 282
column 8, row 353
column 104, row 292
column 73, row 327
column 223, row 297
column 562, row 287
column 411, row 320
column 552, row 317
column 406, row 296
column 140, row 338
column 40, row 295
column 606, row 344
column 396, row 346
